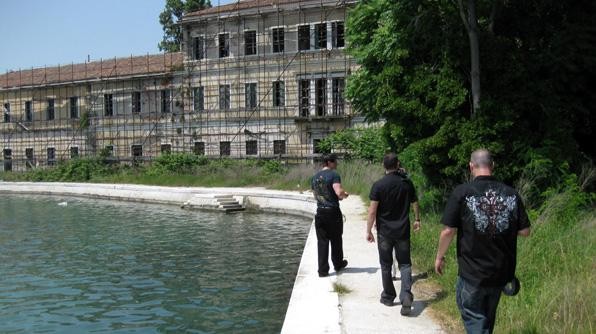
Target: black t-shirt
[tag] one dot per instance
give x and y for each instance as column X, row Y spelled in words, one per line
column 487, row 214
column 395, row 193
column 322, row 186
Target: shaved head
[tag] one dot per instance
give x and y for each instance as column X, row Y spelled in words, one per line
column 482, row 158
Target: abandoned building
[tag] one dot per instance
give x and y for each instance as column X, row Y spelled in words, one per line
column 256, row 78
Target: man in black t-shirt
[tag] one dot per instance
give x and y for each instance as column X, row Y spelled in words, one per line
column 327, row 189
column 390, row 200
column 487, row 217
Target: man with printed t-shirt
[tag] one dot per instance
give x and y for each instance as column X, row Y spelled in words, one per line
column 487, row 216
column 326, row 186
column 390, row 201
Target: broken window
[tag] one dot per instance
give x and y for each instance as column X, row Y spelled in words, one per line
column 337, row 34
column 304, row 92
column 28, row 111
column 224, row 97
column 166, row 101
column 321, row 36
column 224, row 45
column 50, row 110
column 224, row 148
column 279, row 94
column 337, row 89
column 51, row 154
column 279, row 147
column 137, row 150
column 277, row 36
column 74, row 107
column 199, row 148
column 198, row 98
column 108, row 104
column 250, row 42
column 136, row 102
column 321, row 96
column 304, row 37
column 250, row 93
column 198, row 48
column 251, row 147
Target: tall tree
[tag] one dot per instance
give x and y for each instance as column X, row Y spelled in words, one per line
column 173, row 11
column 468, row 16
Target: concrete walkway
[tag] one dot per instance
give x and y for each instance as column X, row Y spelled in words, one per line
column 316, row 308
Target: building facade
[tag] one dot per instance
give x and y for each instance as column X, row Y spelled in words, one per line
column 258, row 78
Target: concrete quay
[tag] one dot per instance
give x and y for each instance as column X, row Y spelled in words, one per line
column 315, row 306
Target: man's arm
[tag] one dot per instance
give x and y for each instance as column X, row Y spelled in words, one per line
column 524, row 232
column 339, row 191
column 416, row 209
column 445, row 239
column 372, row 216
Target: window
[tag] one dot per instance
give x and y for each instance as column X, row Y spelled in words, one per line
column 108, row 151
column 199, row 148
column 28, row 111
column 166, row 101
column 321, row 96
column 166, row 148
column 251, row 147
column 304, row 91
column 29, row 158
column 304, row 37
column 224, row 148
column 6, row 112
column 198, row 48
column 74, row 152
column 74, row 107
column 250, row 94
column 224, row 97
column 277, row 36
column 50, row 110
column 137, row 150
column 321, row 36
column 337, row 89
column 224, row 45
column 250, row 43
column 51, row 153
column 7, row 159
column 108, row 104
column 279, row 147
column 198, row 95
column 136, row 102
column 279, row 94
column 337, row 34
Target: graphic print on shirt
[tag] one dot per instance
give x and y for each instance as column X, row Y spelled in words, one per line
column 321, row 190
column 492, row 211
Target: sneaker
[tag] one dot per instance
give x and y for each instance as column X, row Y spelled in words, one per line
column 344, row 263
column 386, row 302
column 406, row 304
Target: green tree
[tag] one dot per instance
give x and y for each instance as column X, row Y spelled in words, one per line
column 172, row 13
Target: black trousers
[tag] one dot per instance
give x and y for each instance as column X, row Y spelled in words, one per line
column 329, row 227
column 387, row 246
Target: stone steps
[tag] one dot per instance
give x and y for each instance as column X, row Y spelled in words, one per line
column 227, row 203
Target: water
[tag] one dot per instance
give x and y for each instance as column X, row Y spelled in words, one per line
column 96, row 266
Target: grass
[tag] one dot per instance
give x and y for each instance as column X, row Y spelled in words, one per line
column 556, row 264
column 341, row 289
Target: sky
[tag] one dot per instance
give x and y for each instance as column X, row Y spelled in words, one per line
column 37, row 33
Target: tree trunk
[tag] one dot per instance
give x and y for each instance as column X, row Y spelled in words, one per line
column 471, row 24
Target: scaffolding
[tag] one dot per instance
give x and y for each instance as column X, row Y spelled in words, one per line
column 255, row 79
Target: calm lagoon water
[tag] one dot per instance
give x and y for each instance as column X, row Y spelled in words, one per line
column 97, row 266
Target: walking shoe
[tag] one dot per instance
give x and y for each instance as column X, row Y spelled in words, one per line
column 386, row 302
column 406, row 304
column 323, row 274
column 344, row 263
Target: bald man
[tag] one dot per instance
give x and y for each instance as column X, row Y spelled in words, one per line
column 487, row 216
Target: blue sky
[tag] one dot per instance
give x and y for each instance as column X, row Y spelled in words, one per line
column 35, row 33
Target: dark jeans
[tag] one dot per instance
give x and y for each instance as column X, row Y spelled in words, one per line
column 477, row 305
column 386, row 246
column 329, row 226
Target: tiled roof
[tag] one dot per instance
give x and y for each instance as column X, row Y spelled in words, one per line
column 250, row 4
column 109, row 68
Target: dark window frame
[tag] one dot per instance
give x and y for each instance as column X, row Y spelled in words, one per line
column 252, row 147
column 108, row 105
column 73, row 103
column 29, row 157
column 338, row 86
column 278, row 40
column 166, row 101
column 225, row 148
column 51, row 110
column 279, row 147
column 28, row 111
column 198, row 98
column 6, row 112
column 199, row 148
column 74, row 152
column 321, row 35
column 136, row 102
column 321, row 96
column 303, row 37
column 136, row 150
column 338, row 34
column 279, row 93
column 198, row 48
column 250, row 42
column 304, row 97
column 165, row 148
column 224, row 97
column 251, row 97
column 223, row 44
column 51, row 156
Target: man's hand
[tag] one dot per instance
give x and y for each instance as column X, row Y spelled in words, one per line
column 416, row 225
column 439, row 265
column 370, row 237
